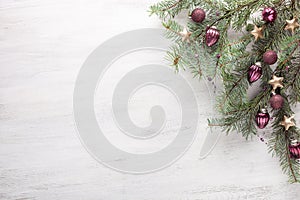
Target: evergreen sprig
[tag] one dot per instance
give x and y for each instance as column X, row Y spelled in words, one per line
column 230, row 59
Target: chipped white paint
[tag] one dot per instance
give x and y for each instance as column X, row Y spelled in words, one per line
column 42, row 46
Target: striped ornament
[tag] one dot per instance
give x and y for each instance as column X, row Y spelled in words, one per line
column 212, row 36
column 295, row 151
column 269, row 14
column 262, row 119
column 254, row 72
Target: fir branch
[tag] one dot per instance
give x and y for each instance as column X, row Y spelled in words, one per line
column 171, row 6
column 230, row 60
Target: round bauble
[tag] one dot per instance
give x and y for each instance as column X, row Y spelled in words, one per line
column 270, row 57
column 198, row 15
column 277, row 101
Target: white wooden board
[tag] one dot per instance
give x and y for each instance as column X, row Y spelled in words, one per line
column 42, row 47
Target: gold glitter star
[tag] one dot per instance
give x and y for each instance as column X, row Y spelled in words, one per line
column 276, row 82
column 288, row 122
column 257, row 32
column 292, row 25
column 185, row 35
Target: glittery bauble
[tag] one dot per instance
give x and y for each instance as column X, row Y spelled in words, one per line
column 277, row 101
column 270, row 57
column 269, row 14
column 262, row 118
column 198, row 15
column 295, row 150
column 212, row 36
column 254, row 73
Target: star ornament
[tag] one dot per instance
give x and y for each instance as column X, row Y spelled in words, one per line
column 276, row 82
column 288, row 122
column 292, row 25
column 257, row 33
column 185, row 34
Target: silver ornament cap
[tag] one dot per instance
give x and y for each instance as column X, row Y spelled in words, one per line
column 294, row 142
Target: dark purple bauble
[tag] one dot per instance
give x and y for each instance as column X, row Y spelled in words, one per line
column 254, row 73
column 295, row 150
column 270, row 57
column 262, row 119
column 269, row 14
column 277, row 101
column 212, row 36
column 198, row 15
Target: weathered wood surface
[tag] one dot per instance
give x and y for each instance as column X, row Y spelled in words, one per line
column 42, row 47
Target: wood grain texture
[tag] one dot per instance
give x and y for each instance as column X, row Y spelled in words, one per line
column 42, row 47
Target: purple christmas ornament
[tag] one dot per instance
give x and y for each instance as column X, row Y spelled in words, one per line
column 294, row 149
column 270, row 57
column 198, row 15
column 262, row 118
column 269, row 14
column 212, row 36
column 276, row 101
column 254, row 72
